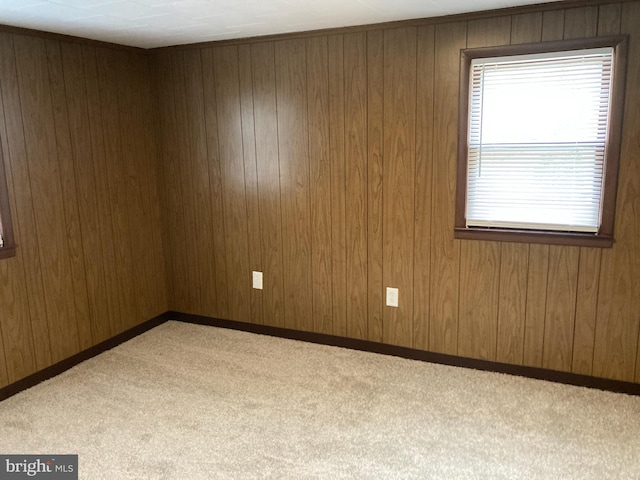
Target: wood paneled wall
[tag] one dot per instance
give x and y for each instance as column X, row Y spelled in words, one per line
column 80, row 155
column 329, row 163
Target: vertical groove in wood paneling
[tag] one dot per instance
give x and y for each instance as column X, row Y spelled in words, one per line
column 251, row 176
column 268, row 171
column 291, row 90
column 375, row 164
column 480, row 261
column 320, row 182
column 399, row 166
column 422, row 216
column 338, row 178
column 618, row 314
column 445, row 251
column 355, row 81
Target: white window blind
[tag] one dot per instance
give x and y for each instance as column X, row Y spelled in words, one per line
column 536, row 140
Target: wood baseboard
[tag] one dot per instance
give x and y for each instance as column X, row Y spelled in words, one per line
column 323, row 339
column 413, row 354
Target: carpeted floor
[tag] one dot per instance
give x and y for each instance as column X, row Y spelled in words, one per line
column 185, row 401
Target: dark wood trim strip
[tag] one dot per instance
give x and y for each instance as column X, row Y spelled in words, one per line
column 410, row 353
column 80, row 357
column 418, row 22
column 70, row 38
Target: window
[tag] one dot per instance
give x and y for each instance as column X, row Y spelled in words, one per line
column 539, row 141
column 7, row 247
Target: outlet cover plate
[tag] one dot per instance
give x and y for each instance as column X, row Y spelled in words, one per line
column 392, row 297
column 257, row 280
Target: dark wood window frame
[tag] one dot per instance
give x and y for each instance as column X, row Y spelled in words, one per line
column 9, row 248
column 604, row 237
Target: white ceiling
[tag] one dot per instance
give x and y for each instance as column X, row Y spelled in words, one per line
column 158, row 23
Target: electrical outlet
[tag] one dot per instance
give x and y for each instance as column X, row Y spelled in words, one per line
column 392, row 297
column 257, row 280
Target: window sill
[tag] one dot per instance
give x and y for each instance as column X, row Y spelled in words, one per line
column 7, row 252
column 534, row 236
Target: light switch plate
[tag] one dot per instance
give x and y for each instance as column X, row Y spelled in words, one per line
column 257, row 280
column 392, row 297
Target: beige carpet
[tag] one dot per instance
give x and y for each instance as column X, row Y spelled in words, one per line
column 192, row 402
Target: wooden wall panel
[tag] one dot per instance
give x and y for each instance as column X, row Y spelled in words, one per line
column 102, row 193
column 355, row 174
column 24, row 222
column 115, row 168
column 69, row 193
column 191, row 292
column 355, row 81
column 83, row 163
column 399, row 168
column 233, row 181
column 207, row 291
column 290, row 57
column 327, row 162
column 218, row 234
column 423, row 189
column 250, row 176
column 268, row 170
column 320, row 179
column 17, row 357
column 445, row 251
column 375, row 164
column 170, row 200
column 44, row 170
column 338, row 179
column 67, row 109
